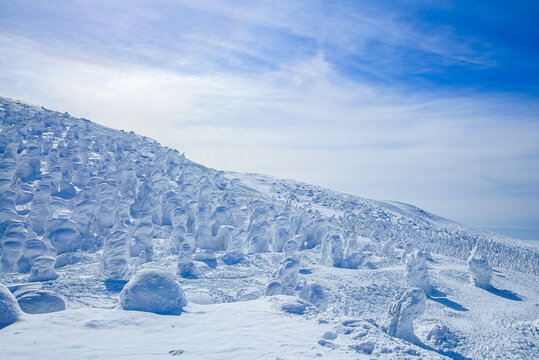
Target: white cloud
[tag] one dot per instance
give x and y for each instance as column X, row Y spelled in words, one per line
column 450, row 155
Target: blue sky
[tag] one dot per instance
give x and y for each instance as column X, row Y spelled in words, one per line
column 433, row 103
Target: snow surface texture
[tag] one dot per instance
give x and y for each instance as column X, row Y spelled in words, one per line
column 271, row 268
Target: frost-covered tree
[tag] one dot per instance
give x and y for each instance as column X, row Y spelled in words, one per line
column 186, row 268
column 115, row 260
column 479, row 269
column 408, row 307
column 416, row 272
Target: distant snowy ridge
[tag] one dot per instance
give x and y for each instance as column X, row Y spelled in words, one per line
column 403, row 222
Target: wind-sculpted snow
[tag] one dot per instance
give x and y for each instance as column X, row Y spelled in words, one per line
column 85, row 209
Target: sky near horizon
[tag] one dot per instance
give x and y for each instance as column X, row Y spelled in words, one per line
column 433, row 103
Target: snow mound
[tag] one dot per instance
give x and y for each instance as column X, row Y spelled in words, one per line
column 155, row 291
column 10, row 311
column 40, row 302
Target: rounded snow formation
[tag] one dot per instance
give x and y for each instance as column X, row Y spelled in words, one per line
column 403, row 312
column 480, row 270
column 155, row 291
column 10, row 311
column 40, row 302
column 43, row 269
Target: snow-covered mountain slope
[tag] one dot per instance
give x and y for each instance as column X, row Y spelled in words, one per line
column 403, row 222
column 266, row 266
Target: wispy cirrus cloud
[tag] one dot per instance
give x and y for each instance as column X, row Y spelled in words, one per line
column 353, row 97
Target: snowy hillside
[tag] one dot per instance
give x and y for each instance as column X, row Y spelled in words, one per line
column 113, row 246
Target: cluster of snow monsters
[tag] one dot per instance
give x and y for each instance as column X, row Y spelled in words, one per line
column 69, row 187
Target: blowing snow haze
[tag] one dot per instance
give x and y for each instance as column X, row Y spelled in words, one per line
column 136, row 221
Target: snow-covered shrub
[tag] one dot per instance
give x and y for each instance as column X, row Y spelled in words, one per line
column 10, row 311
column 178, row 217
column 315, row 294
column 441, row 337
column 408, row 306
column 186, row 267
column 287, row 274
column 155, row 291
column 66, row 190
column 416, row 271
column 479, row 269
column 43, row 269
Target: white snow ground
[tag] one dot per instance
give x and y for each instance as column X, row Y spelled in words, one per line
column 228, row 316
